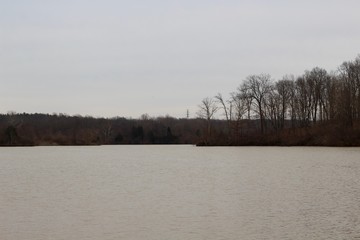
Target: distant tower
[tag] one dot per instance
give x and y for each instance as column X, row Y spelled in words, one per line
column 187, row 114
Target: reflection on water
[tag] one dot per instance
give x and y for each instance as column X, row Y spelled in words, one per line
column 179, row 192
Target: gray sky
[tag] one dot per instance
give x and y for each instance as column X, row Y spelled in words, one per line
column 125, row 58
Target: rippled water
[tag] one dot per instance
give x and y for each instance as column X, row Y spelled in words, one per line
column 179, row 192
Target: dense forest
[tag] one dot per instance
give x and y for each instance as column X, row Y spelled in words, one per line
column 315, row 109
column 61, row 129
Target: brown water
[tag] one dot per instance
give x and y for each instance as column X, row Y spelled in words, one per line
column 179, row 192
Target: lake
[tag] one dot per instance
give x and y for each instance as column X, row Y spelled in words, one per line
column 179, row 192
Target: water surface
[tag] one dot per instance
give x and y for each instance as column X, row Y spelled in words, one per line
column 179, row 192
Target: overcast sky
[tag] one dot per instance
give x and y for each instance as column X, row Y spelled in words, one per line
column 125, row 58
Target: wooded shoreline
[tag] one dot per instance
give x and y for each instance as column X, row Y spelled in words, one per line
column 315, row 109
column 49, row 130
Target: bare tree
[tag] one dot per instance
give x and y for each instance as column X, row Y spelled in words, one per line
column 303, row 101
column 258, row 86
column 240, row 106
column 284, row 89
column 227, row 107
column 274, row 108
column 207, row 109
column 244, row 94
column 350, row 89
column 315, row 81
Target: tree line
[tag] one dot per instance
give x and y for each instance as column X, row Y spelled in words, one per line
column 24, row 129
column 316, row 108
